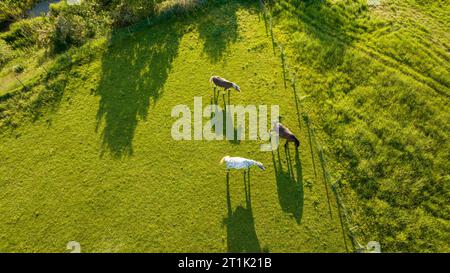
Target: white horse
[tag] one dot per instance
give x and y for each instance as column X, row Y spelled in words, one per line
column 240, row 163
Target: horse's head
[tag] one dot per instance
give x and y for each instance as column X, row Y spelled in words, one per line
column 224, row 159
column 236, row 87
column 261, row 166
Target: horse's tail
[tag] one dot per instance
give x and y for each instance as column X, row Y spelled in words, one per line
column 211, row 80
column 223, row 159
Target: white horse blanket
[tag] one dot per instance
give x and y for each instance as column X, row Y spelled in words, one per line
column 240, row 163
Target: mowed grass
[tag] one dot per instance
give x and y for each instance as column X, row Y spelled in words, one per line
column 102, row 168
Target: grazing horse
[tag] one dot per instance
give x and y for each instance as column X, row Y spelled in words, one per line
column 284, row 132
column 240, row 163
column 225, row 84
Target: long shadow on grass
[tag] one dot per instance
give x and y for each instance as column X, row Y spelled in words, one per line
column 232, row 134
column 134, row 71
column 241, row 233
column 54, row 82
column 218, row 28
column 289, row 185
column 329, row 27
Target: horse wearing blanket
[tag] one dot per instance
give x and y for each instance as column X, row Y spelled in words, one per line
column 240, row 163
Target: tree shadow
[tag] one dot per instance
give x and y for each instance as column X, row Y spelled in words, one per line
column 331, row 27
column 290, row 185
column 49, row 98
column 45, row 101
column 218, row 28
column 134, row 71
column 241, row 233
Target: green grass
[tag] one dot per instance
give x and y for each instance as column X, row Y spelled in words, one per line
column 378, row 86
column 34, row 68
column 94, row 162
column 87, row 153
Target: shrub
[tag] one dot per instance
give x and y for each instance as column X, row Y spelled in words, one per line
column 18, row 69
column 13, row 10
column 73, row 25
column 70, row 30
column 57, row 8
column 5, row 54
column 25, row 33
column 128, row 12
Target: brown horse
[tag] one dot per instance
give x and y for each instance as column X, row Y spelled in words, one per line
column 284, row 132
column 225, row 84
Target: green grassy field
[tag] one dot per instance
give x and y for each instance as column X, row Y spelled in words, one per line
column 100, row 167
column 378, row 80
column 86, row 151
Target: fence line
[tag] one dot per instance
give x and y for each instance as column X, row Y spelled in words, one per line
column 347, row 225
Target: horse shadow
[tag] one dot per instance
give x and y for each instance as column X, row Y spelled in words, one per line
column 241, row 233
column 290, row 185
column 234, row 136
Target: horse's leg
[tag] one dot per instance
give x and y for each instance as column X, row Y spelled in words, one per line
column 279, row 160
column 224, row 101
column 288, row 155
column 247, row 189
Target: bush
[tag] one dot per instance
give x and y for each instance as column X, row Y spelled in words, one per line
column 128, row 12
column 13, row 10
column 73, row 25
column 70, row 30
column 57, row 8
column 5, row 54
column 4, row 20
column 25, row 33
column 18, row 69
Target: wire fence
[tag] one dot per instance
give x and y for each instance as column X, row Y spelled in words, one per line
column 348, row 227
